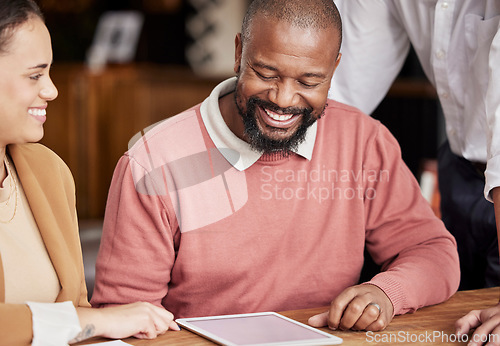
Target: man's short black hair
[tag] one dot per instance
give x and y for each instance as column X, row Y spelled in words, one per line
column 319, row 14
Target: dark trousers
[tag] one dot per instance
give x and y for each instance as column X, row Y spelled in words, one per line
column 470, row 218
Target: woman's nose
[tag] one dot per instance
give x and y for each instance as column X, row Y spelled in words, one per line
column 49, row 91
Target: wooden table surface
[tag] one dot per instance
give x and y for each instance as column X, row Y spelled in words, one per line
column 433, row 325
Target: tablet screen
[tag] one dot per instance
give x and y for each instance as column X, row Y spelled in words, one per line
column 257, row 329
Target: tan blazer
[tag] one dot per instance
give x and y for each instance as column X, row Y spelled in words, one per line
column 50, row 191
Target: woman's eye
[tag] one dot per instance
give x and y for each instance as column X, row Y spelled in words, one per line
column 36, row 76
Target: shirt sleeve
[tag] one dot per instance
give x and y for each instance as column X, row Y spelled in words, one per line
column 492, row 173
column 418, row 255
column 374, row 49
column 54, row 323
column 137, row 253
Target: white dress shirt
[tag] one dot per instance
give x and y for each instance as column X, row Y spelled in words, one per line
column 458, row 45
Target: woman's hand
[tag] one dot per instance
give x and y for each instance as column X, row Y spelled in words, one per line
column 141, row 320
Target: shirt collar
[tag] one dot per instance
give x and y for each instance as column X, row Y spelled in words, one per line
column 228, row 143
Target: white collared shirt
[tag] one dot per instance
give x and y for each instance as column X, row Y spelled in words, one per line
column 223, row 137
column 458, row 45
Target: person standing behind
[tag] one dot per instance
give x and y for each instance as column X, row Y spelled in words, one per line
column 458, row 46
column 43, row 297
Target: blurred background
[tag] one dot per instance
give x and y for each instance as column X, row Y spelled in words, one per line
column 178, row 50
column 122, row 65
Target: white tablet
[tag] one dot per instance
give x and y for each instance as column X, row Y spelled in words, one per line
column 262, row 328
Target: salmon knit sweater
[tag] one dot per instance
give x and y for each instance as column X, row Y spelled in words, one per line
column 187, row 230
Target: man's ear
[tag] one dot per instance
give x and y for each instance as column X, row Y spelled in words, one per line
column 337, row 61
column 238, row 49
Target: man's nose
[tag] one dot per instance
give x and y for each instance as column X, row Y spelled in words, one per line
column 284, row 94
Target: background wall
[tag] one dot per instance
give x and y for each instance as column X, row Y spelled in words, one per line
column 73, row 23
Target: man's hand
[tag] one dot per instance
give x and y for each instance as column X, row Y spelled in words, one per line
column 485, row 321
column 357, row 308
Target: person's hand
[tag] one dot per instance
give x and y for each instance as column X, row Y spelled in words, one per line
column 361, row 307
column 141, row 320
column 487, row 324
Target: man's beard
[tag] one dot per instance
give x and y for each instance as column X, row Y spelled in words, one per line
column 263, row 143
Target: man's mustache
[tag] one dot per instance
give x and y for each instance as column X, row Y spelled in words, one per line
column 276, row 109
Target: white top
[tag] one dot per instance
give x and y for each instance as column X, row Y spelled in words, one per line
column 458, row 45
column 28, row 270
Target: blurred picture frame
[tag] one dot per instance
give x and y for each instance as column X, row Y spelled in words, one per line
column 116, row 38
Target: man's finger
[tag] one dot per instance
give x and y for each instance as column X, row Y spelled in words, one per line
column 320, row 320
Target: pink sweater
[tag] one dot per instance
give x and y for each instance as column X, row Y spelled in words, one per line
column 186, row 230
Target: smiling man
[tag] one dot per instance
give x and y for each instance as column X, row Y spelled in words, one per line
column 284, row 72
column 264, row 196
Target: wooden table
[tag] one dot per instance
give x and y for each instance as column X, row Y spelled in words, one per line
column 431, row 325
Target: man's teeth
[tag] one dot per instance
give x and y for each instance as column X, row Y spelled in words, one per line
column 279, row 117
column 37, row 112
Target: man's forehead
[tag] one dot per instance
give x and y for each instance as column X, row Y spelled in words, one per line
column 267, row 29
column 282, row 27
